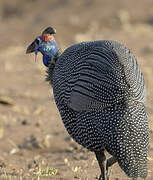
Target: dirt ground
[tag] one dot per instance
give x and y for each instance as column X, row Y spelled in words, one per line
column 34, row 144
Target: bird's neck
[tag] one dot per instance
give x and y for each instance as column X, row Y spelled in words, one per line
column 56, row 57
column 51, row 67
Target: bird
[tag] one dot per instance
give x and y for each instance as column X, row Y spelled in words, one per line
column 100, row 93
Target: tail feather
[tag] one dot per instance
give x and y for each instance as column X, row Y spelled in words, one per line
column 130, row 138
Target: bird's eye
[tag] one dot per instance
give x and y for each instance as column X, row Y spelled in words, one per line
column 37, row 41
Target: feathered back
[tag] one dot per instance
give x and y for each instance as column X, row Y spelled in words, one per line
column 98, row 74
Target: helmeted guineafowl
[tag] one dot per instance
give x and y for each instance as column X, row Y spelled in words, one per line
column 100, row 93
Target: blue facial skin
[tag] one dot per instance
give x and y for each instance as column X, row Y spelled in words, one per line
column 49, row 50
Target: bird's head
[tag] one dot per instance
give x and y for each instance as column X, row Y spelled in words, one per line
column 46, row 44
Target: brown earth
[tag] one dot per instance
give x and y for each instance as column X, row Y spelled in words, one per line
column 33, row 140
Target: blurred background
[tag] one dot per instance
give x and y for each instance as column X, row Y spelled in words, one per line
column 33, row 141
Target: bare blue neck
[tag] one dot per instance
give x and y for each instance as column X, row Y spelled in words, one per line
column 49, row 49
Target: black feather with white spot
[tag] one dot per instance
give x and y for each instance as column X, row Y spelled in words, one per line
column 100, row 93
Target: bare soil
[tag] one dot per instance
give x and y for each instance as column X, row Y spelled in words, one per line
column 33, row 141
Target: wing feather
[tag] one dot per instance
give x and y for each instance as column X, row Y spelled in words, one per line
column 101, row 82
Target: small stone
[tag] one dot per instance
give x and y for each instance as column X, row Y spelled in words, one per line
column 38, row 110
column 6, row 101
column 24, row 122
column 14, row 151
column 76, row 169
column 2, row 165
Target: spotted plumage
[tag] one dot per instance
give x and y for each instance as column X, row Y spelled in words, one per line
column 100, row 93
